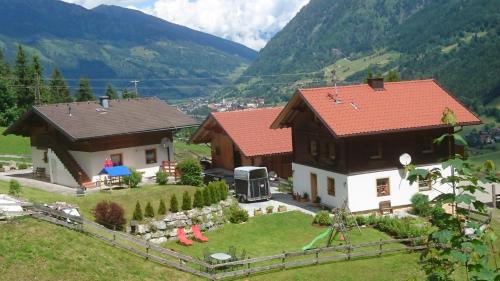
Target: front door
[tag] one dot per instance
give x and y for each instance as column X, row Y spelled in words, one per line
column 314, row 186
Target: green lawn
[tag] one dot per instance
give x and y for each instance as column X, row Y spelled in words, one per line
column 492, row 155
column 13, row 144
column 185, row 150
column 127, row 198
column 270, row 234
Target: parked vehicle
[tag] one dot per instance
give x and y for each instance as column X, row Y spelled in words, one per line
column 251, row 184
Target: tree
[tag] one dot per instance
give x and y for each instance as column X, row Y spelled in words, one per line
column 36, row 76
column 110, row 215
column 137, row 216
column 24, row 92
column 4, row 66
column 448, row 246
column 110, row 92
column 392, row 76
column 186, row 201
column 9, row 111
column 162, row 209
column 148, row 211
column 84, row 91
column 128, row 95
column 59, row 91
column 14, row 188
column 368, row 76
column 190, row 172
column 198, row 199
column 174, row 204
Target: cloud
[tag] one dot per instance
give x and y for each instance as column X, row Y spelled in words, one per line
column 251, row 23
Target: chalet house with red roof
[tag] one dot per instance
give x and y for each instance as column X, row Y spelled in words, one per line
column 347, row 140
column 243, row 138
column 70, row 142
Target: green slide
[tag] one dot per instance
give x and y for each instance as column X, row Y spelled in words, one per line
column 319, row 237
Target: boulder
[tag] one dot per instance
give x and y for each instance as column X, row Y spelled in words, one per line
column 172, row 233
column 147, row 236
column 157, row 234
column 142, row 228
column 160, row 225
column 159, row 240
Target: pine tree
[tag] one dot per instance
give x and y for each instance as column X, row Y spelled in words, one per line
column 8, row 108
column 110, row 92
column 4, row 66
column 59, row 91
column 186, row 201
column 198, row 199
column 162, row 209
column 392, row 76
column 207, row 198
column 84, row 91
column 148, row 211
column 24, row 92
column 137, row 216
column 128, row 95
column 174, row 205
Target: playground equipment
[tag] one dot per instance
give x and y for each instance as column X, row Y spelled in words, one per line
column 339, row 226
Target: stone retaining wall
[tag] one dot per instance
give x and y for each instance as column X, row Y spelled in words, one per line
column 163, row 230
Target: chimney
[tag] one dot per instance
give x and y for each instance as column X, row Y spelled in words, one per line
column 104, row 101
column 376, row 83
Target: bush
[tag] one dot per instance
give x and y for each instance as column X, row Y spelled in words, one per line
column 223, row 190
column 162, row 209
column 22, row 166
column 174, row 205
column 317, row 200
column 137, row 216
column 198, row 199
column 110, row 215
column 207, row 197
column 237, row 215
column 269, row 209
column 186, row 201
column 161, row 177
column 134, row 179
column 361, row 220
column 420, row 204
column 402, row 228
column 149, row 212
column 213, row 188
column 372, row 219
column 190, row 172
column 322, row 218
column 14, row 188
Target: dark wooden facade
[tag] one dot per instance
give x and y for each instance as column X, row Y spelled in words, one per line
column 349, row 155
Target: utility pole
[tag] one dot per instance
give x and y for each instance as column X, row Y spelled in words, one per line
column 334, row 79
column 135, row 86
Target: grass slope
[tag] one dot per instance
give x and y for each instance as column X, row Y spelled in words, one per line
column 13, row 144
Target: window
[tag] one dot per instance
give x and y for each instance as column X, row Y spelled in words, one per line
column 426, row 146
column 424, row 184
column 331, row 151
column 150, row 156
column 331, row 186
column 313, row 147
column 383, row 188
column 117, row 159
column 376, row 150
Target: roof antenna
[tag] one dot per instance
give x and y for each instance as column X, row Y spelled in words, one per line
column 334, row 80
column 69, row 110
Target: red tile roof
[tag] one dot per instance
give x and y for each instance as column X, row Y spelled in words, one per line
column 249, row 130
column 406, row 105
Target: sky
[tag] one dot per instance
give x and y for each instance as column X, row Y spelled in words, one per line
column 249, row 22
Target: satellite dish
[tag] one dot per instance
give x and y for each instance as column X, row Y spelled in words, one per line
column 405, row 159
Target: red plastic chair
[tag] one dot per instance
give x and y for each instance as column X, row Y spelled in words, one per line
column 182, row 237
column 197, row 234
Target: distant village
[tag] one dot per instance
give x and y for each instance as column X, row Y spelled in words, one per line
column 202, row 106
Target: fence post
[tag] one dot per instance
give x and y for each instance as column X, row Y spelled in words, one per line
column 283, row 260
column 147, row 251
column 349, row 252
column 380, row 247
column 494, row 196
column 317, row 256
column 248, row 273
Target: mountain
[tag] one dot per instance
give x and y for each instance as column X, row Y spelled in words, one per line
column 454, row 41
column 114, row 44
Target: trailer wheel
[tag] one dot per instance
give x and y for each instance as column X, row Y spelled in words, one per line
column 242, row 199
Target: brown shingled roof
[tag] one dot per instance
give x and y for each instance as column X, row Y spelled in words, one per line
column 90, row 120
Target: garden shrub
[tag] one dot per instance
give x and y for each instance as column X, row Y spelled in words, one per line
column 198, row 199
column 361, row 220
column 213, row 188
column 372, row 219
column 174, row 204
column 161, row 177
column 137, row 216
column 207, row 197
column 110, row 215
column 237, row 215
column 22, row 166
column 322, row 218
column 134, row 179
column 190, row 172
column 402, row 228
column 162, row 209
column 14, row 188
column 223, row 190
column 149, row 212
column 186, row 201
column 420, row 204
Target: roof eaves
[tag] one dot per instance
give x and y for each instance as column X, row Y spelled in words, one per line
column 318, row 115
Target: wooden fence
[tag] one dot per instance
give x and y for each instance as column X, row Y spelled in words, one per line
column 219, row 271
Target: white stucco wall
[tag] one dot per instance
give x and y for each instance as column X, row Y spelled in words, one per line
column 37, row 158
column 363, row 189
column 58, row 173
column 302, row 183
column 133, row 157
column 360, row 189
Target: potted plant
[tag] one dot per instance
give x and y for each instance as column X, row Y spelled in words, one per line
column 317, row 201
column 269, row 209
column 281, row 208
column 257, row 212
column 305, row 197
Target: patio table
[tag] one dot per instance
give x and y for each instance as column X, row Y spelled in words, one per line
column 221, row 256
